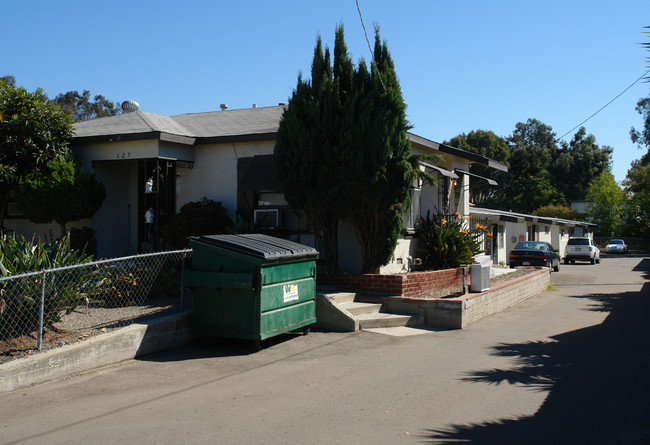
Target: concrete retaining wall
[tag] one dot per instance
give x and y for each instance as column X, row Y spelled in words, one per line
column 104, row 349
column 459, row 312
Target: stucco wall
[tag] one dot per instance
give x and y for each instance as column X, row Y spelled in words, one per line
column 116, row 221
column 349, row 249
column 214, row 174
column 402, row 258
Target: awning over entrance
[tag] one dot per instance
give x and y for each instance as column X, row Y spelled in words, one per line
column 442, row 171
column 464, row 172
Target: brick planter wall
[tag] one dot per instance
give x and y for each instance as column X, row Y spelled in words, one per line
column 412, row 284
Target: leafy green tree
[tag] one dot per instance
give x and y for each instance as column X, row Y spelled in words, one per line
column 542, row 170
column 558, row 211
column 637, row 187
column 642, row 137
column 534, row 134
column 80, row 107
column 33, row 131
column 59, row 192
column 530, row 185
column 8, row 80
column 578, row 163
column 608, row 204
column 637, row 180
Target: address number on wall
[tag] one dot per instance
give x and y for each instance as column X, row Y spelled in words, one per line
column 123, row 155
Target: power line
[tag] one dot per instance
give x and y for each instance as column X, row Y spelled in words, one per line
column 604, row 106
column 367, row 40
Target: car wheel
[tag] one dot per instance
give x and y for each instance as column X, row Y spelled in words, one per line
column 593, row 261
column 566, row 261
column 557, row 267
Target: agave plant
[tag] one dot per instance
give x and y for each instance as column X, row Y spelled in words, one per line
column 445, row 242
column 18, row 255
column 20, row 298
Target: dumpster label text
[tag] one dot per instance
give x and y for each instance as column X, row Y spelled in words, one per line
column 290, row 292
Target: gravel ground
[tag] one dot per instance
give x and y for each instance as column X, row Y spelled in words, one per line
column 94, row 318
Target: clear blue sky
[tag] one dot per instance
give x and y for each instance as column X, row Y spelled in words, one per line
column 463, row 65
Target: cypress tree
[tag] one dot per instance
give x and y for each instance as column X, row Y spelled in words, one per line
column 382, row 174
column 342, row 152
column 302, row 153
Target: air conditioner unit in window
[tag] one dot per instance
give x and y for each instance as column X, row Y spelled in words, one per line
column 266, row 218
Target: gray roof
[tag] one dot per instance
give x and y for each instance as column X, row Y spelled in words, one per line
column 247, row 124
column 204, row 127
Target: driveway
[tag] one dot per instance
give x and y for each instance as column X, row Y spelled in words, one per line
column 568, row 366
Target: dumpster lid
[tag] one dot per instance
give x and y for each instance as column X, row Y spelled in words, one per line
column 259, row 246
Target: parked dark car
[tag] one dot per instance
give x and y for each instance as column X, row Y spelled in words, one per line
column 535, row 253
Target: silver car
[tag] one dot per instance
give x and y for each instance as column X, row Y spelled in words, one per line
column 616, row 246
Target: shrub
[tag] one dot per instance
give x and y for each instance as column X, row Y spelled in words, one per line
column 205, row 217
column 445, row 242
column 84, row 240
column 20, row 298
column 131, row 282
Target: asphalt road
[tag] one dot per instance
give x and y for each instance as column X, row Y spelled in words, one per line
column 569, row 366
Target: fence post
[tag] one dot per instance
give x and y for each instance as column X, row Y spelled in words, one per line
column 182, row 281
column 39, row 342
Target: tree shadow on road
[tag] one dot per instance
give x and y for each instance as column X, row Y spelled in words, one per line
column 598, row 379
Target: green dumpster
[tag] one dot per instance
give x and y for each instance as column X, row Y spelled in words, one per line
column 251, row 286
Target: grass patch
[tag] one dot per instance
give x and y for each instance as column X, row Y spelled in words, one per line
column 552, row 288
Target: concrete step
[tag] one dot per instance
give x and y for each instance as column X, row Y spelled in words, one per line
column 361, row 315
column 381, row 320
column 342, row 297
column 356, row 308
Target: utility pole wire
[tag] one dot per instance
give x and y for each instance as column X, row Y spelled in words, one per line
column 604, row 106
column 369, row 47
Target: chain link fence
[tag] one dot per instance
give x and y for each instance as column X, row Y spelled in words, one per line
column 58, row 306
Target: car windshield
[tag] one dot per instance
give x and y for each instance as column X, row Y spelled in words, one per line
column 530, row 245
column 616, row 241
column 578, row 242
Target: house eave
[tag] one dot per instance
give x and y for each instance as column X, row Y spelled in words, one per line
column 471, row 157
column 150, row 135
column 237, row 138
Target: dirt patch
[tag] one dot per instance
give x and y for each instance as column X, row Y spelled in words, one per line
column 26, row 345
column 502, row 278
column 81, row 324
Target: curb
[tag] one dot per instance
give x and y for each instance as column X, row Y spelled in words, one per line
column 105, row 349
